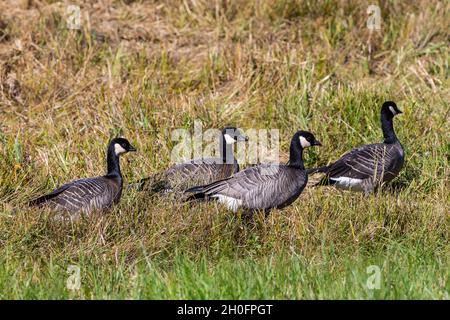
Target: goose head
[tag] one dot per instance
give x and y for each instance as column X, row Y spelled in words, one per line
column 232, row 135
column 307, row 139
column 390, row 109
column 121, row 146
column 300, row 141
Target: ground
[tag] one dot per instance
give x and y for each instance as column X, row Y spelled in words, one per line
column 142, row 69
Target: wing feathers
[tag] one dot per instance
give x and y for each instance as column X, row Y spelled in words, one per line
column 257, row 188
column 377, row 162
column 192, row 173
column 84, row 194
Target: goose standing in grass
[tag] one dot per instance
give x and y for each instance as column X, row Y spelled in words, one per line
column 265, row 186
column 86, row 195
column 367, row 167
column 179, row 177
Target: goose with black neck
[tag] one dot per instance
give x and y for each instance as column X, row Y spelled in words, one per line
column 181, row 176
column 86, row 195
column 263, row 187
column 369, row 166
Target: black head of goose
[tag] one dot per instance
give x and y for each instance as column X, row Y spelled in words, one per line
column 265, row 186
column 367, row 167
column 89, row 194
column 200, row 171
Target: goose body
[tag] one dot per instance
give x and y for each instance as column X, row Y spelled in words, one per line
column 195, row 172
column 179, row 177
column 86, row 195
column 263, row 187
column 366, row 167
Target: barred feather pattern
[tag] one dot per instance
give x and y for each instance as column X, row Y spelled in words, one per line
column 195, row 172
column 84, row 195
column 374, row 164
column 262, row 187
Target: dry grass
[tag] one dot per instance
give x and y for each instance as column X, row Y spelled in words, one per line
column 142, row 68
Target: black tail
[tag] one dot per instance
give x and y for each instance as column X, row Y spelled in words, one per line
column 196, row 189
column 197, row 193
column 204, row 192
column 325, row 180
column 323, row 169
column 42, row 199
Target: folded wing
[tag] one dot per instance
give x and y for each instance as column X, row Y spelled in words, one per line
column 260, row 187
column 83, row 194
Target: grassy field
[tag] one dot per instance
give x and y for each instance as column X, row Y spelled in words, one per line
column 141, row 69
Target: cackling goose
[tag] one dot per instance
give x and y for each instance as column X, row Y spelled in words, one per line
column 179, row 177
column 367, row 167
column 85, row 195
column 265, row 186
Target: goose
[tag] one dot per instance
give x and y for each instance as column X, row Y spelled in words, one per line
column 367, row 167
column 262, row 187
column 199, row 171
column 86, row 195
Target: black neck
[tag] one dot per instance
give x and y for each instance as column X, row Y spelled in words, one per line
column 113, row 162
column 296, row 154
column 388, row 128
column 226, row 151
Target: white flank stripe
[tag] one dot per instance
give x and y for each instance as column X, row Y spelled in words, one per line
column 232, row 203
column 348, row 183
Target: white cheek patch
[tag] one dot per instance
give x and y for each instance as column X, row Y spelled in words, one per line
column 305, row 143
column 232, row 204
column 229, row 139
column 118, row 149
column 392, row 110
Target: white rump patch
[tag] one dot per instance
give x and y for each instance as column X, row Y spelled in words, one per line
column 348, row 183
column 392, row 110
column 305, row 143
column 232, row 203
column 118, row 149
column 229, row 139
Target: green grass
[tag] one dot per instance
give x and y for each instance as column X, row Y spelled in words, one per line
column 405, row 273
column 141, row 70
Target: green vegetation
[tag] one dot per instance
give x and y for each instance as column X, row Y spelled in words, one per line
column 141, row 69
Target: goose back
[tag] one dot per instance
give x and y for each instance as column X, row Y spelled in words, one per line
column 195, row 172
column 262, row 187
column 83, row 195
column 365, row 167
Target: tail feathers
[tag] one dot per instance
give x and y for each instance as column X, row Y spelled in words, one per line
column 197, row 193
column 323, row 169
column 325, row 180
column 206, row 191
column 43, row 199
column 196, row 197
column 37, row 201
column 196, row 189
